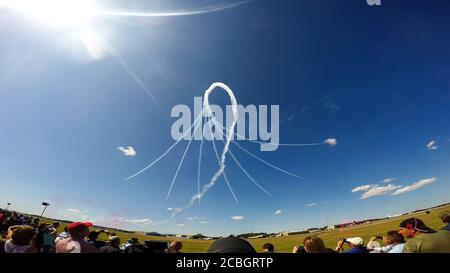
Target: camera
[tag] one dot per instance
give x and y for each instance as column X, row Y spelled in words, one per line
column 344, row 240
column 379, row 237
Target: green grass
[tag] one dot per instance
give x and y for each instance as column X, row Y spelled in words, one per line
column 285, row 244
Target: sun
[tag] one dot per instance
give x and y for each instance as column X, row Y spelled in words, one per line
column 55, row 13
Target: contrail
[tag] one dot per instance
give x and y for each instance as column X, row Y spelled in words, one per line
column 133, row 75
column 203, row 10
column 200, row 159
column 265, row 162
column 209, row 115
column 165, row 153
column 218, row 160
column 248, row 175
column 182, row 159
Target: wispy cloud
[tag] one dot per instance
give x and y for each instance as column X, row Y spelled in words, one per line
column 362, row 188
column 415, row 186
column 181, row 225
column 129, row 151
column 174, row 209
column 298, row 113
column 74, row 210
column 388, row 180
column 237, row 218
column 311, row 204
column 379, row 190
column 432, row 145
column 139, row 221
column 331, row 141
column 278, row 212
column 203, row 222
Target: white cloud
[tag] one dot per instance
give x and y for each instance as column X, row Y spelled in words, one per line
column 237, row 218
column 415, row 186
column 139, row 221
column 278, row 212
column 331, row 141
column 362, row 188
column 388, row 180
column 203, row 222
column 379, row 190
column 174, row 209
column 129, row 151
column 192, row 218
column 181, row 225
column 432, row 145
column 311, row 204
column 74, row 210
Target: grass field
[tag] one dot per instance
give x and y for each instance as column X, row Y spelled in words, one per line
column 286, row 243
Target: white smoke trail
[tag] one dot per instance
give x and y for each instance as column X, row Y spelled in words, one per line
column 182, row 158
column 218, row 161
column 199, row 165
column 265, row 162
column 248, row 175
column 209, row 115
column 165, row 153
column 199, row 11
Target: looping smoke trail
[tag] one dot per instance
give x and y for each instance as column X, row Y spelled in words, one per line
column 209, row 115
column 203, row 10
column 182, row 158
column 265, row 162
column 248, row 175
column 166, row 152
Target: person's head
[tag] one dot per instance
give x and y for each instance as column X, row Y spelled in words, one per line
column 93, row 235
column 56, row 225
column 79, row 229
column 177, row 245
column 410, row 227
column 268, row 247
column 133, row 241
column 23, row 235
column 114, row 241
column 393, row 238
column 355, row 242
column 10, row 232
column 445, row 216
column 314, row 244
column 231, row 245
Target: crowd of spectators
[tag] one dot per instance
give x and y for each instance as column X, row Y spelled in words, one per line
column 25, row 234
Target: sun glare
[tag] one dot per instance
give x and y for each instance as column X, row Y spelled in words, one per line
column 56, row 13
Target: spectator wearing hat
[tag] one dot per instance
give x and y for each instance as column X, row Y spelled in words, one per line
column 93, row 239
column 76, row 242
column 356, row 245
column 445, row 217
column 112, row 247
column 422, row 238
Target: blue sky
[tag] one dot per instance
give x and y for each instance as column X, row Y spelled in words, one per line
column 374, row 78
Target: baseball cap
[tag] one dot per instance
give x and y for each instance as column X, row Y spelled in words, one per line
column 77, row 225
column 417, row 224
column 357, row 241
